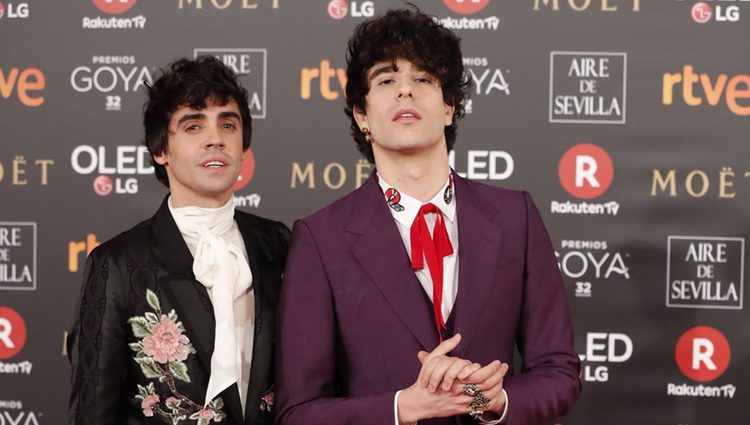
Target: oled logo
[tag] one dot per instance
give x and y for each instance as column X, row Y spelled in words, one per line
column 484, row 165
column 126, row 161
column 17, row 256
column 339, row 9
column 705, row 272
column 586, row 172
column 702, row 354
column 251, row 65
column 602, row 349
column 588, row 87
column 466, row 7
column 114, row 7
column 14, row 10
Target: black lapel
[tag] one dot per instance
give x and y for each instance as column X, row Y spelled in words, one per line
column 479, row 242
column 189, row 298
column 380, row 250
column 259, row 254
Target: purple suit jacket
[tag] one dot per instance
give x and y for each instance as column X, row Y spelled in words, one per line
column 352, row 314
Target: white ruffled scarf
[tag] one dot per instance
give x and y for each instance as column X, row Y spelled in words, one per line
column 223, row 269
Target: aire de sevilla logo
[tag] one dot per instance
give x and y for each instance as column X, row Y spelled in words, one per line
column 12, row 332
column 247, row 169
column 702, row 353
column 586, row 171
column 466, row 7
column 114, row 7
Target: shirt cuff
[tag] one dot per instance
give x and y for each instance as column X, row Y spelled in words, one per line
column 395, row 407
column 502, row 419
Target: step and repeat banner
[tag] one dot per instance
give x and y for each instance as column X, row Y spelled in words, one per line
column 627, row 120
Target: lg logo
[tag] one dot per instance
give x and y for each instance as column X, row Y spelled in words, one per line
column 702, row 353
column 586, row 171
column 339, row 9
column 12, row 333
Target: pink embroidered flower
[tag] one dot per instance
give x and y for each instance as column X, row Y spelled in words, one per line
column 206, row 414
column 172, row 402
column 148, row 404
column 268, row 398
column 166, row 342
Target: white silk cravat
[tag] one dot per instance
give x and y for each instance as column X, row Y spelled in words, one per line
column 222, row 268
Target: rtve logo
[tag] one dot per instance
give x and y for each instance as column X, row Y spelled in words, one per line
column 327, row 78
column 75, row 248
column 114, row 7
column 586, row 171
column 12, row 333
column 23, row 82
column 466, row 7
column 736, row 90
column 702, row 353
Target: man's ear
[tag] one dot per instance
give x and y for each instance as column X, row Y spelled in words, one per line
column 161, row 158
column 360, row 117
column 449, row 114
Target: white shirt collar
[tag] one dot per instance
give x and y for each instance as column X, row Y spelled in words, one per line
column 404, row 208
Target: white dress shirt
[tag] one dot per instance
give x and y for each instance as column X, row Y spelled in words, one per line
column 404, row 209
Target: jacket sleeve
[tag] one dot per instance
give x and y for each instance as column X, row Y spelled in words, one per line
column 549, row 383
column 306, row 370
column 97, row 344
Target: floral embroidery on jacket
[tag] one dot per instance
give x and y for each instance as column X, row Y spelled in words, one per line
column 161, row 353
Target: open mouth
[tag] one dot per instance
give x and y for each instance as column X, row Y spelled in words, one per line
column 406, row 114
column 213, row 164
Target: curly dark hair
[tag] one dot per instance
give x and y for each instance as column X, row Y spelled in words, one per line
column 410, row 35
column 193, row 83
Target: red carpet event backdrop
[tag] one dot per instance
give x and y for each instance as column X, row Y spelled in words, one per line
column 627, row 120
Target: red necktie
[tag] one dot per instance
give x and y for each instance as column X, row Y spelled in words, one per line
column 433, row 249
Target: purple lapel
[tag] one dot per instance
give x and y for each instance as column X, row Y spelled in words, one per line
column 381, row 252
column 478, row 252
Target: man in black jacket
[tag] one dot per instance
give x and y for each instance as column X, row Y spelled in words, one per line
column 175, row 323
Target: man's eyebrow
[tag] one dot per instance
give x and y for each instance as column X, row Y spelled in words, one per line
column 384, row 69
column 193, row 116
column 230, row 114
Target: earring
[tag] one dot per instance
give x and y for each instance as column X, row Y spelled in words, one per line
column 366, row 133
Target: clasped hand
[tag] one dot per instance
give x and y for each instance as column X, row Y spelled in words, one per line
column 438, row 390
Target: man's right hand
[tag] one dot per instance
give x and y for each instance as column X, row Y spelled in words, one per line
column 427, row 398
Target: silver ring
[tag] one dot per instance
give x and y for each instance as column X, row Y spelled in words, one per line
column 471, row 390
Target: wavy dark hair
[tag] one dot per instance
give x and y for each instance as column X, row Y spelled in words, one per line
column 413, row 36
column 193, row 83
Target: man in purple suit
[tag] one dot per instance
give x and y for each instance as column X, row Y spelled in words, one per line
column 404, row 300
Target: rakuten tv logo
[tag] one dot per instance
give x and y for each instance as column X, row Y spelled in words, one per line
column 702, row 353
column 114, row 7
column 466, row 7
column 12, row 333
column 586, row 171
